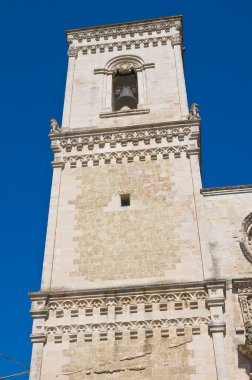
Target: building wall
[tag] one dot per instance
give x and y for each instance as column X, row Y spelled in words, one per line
column 225, row 213
column 87, row 95
column 161, row 288
column 99, row 242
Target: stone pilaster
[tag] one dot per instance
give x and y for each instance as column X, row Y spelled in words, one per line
column 69, row 88
column 39, row 314
column 203, row 227
column 51, row 228
column 176, row 42
column 217, row 327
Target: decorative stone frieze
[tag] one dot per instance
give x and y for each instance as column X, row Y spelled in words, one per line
column 152, row 308
column 133, row 327
column 129, row 156
column 108, row 146
column 122, row 31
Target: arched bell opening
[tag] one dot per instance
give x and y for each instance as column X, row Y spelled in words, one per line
column 125, row 92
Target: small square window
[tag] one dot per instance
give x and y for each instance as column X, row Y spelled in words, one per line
column 125, row 200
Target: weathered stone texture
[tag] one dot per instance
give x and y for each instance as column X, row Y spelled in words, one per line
column 92, row 222
column 225, row 214
column 153, row 358
column 159, row 289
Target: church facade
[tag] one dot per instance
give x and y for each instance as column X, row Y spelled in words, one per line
column 146, row 275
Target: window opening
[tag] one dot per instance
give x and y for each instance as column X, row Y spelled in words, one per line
column 125, row 92
column 125, row 200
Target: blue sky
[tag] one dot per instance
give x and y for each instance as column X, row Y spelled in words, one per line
column 217, row 37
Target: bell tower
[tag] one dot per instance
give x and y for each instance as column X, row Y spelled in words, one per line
column 129, row 288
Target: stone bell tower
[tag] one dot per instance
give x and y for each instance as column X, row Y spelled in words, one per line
column 129, row 286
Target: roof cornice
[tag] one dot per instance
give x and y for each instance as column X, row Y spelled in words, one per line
column 128, row 24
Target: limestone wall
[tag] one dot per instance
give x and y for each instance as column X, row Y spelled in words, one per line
column 98, row 241
column 225, row 213
column 88, row 93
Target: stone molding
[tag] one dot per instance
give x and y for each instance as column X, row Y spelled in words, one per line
column 155, row 303
column 118, row 157
column 75, row 147
column 217, row 327
column 38, row 338
column 126, row 58
column 124, row 113
column 69, row 139
column 180, row 300
column 212, row 191
column 124, row 29
column 124, row 45
column 245, row 237
column 101, row 330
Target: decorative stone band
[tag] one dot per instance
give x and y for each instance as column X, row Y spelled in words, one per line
column 127, row 156
column 124, row 45
column 123, row 30
column 66, row 142
column 127, row 304
column 118, row 330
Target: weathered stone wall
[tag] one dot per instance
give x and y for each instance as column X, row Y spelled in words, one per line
column 178, row 358
column 225, row 214
column 88, row 95
column 155, row 238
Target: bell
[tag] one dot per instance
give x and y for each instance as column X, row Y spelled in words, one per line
column 126, row 98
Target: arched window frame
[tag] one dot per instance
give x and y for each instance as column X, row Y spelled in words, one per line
column 129, row 61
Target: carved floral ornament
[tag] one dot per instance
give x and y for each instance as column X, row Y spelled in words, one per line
column 121, row 45
column 123, row 31
column 245, row 237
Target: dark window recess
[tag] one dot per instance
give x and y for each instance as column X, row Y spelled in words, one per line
column 125, row 92
column 125, row 200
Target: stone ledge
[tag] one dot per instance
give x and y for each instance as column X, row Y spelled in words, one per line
column 211, row 191
column 217, row 327
column 126, row 290
column 124, row 113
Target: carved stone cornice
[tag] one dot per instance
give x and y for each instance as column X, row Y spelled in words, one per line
column 118, row 156
column 80, row 138
column 131, row 300
column 119, row 45
column 95, row 147
column 138, row 28
column 120, row 329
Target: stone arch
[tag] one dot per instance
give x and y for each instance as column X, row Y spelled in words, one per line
column 245, row 237
column 127, row 59
column 124, row 62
